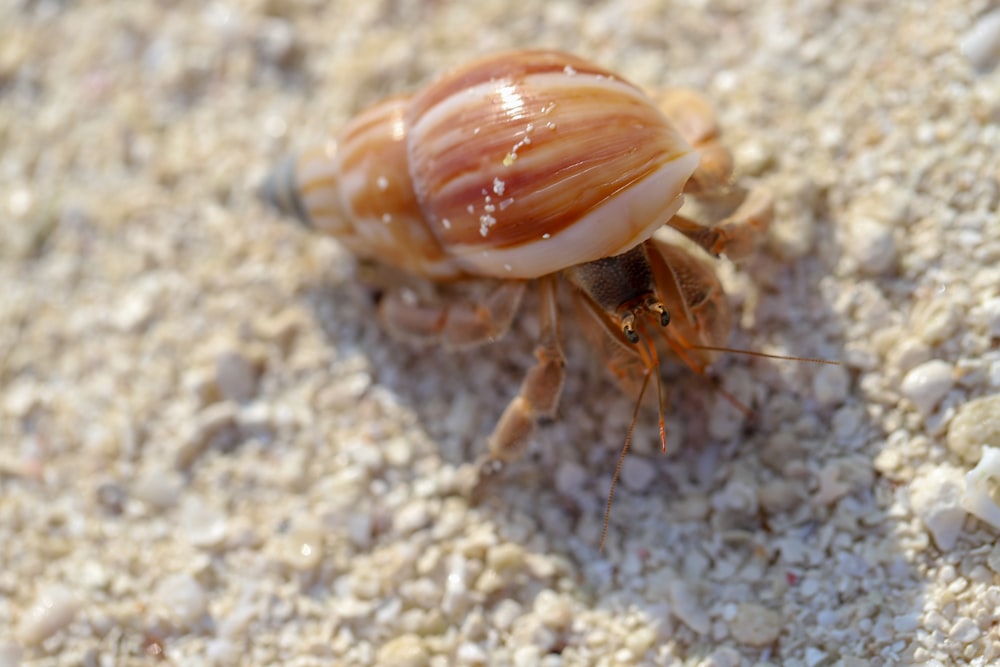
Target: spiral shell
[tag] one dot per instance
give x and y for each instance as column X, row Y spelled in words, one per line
column 360, row 191
column 517, row 165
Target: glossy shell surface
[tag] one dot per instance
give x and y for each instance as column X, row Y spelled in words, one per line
column 517, row 165
column 360, row 190
column 540, row 161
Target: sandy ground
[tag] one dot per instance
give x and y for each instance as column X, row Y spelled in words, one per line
column 210, row 452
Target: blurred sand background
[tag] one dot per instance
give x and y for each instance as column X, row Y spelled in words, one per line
column 209, row 452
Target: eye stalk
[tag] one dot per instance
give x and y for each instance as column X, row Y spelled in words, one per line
column 628, row 318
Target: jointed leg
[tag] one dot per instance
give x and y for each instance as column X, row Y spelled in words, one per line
column 540, row 389
column 694, row 118
column 457, row 324
column 737, row 234
column 465, row 323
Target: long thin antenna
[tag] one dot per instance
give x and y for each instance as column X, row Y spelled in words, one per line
column 621, row 459
column 680, row 348
column 660, row 411
column 751, row 353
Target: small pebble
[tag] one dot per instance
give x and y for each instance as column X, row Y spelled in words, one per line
column 182, row 598
column 936, row 321
column 10, row 654
column 637, row 473
column 20, row 397
column 906, row 623
column 95, row 575
column 304, row 542
column 235, row 376
column 276, row 42
column 398, row 451
column 256, row 419
column 412, row 517
column 692, row 507
column 213, row 424
column 505, row 556
column 755, row 625
column 422, row 592
column 234, row 622
column 366, row 584
column 780, row 448
column 754, row 158
column 345, row 392
column 359, row 530
column 158, row 488
column 282, row 328
column 133, row 312
column 965, row 631
column 205, row 526
column 779, row 495
column 507, row 611
column 456, row 597
column 471, row 654
column 640, row 640
column 814, row 656
column 388, row 612
column 686, row 608
column 52, row 611
column 831, row 485
column 489, row 582
column 981, row 44
column 979, row 482
column 727, row 421
column 792, row 236
column 830, row 385
column 738, row 496
column 993, row 560
column 936, row 496
column 725, row 656
column 907, row 353
column 927, row 384
column 222, row 652
column 571, row 478
column 975, row 424
column 872, row 246
column 553, row 610
column 990, row 312
column 111, row 497
column 527, row 656
column 403, row 651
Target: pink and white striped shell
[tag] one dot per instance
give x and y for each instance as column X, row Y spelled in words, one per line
column 517, row 165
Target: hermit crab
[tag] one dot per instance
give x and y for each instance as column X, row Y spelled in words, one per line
column 535, row 168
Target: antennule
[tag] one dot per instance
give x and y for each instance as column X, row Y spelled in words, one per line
column 657, row 308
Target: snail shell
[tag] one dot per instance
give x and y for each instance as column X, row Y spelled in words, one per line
column 516, row 165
